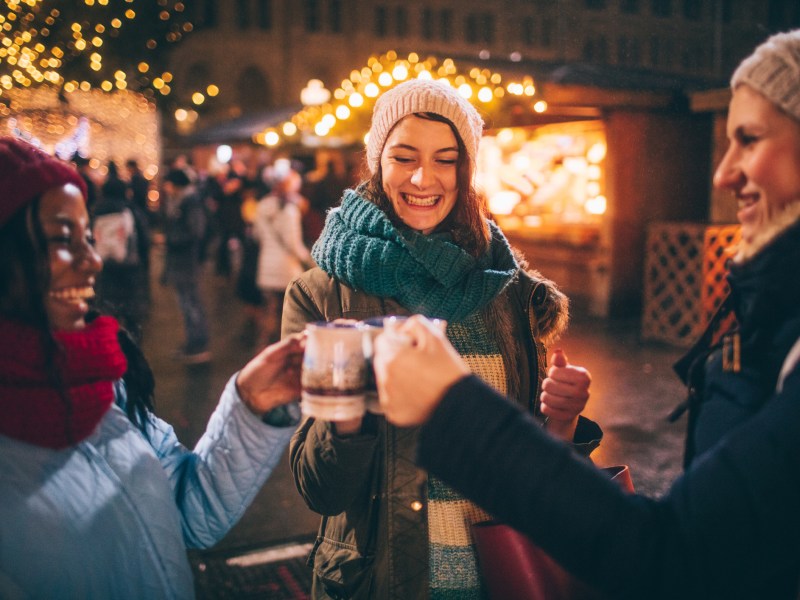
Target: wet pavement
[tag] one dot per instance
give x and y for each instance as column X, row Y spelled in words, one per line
column 633, row 390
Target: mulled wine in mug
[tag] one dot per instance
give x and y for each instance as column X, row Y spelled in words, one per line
column 334, row 371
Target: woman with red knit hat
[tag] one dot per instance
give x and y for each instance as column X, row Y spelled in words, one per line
column 99, row 499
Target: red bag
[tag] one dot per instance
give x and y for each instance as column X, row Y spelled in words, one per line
column 514, row 568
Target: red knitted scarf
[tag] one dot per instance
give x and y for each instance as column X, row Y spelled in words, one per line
column 31, row 408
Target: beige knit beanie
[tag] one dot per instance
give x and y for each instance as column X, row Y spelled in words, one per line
column 422, row 95
column 773, row 70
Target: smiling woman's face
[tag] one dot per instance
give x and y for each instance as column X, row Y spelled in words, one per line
column 762, row 164
column 419, row 171
column 73, row 261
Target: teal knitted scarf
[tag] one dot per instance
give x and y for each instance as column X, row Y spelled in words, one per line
column 426, row 274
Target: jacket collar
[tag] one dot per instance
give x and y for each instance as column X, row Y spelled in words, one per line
column 777, row 225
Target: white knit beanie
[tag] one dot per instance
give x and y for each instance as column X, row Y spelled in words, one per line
column 773, row 70
column 422, row 95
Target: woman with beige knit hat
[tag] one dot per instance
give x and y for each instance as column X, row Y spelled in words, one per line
column 415, row 238
column 730, row 527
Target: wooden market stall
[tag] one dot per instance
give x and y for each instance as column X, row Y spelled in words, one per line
column 574, row 169
column 592, row 173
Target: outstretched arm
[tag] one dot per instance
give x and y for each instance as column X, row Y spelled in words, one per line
column 729, row 528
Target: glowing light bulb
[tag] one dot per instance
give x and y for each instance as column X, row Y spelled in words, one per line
column 485, row 94
column 371, row 90
column 400, row 72
column 224, row 153
column 596, row 205
column 272, row 138
column 355, row 100
column 596, row 153
column 503, row 202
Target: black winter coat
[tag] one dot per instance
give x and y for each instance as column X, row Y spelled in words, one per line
column 728, row 528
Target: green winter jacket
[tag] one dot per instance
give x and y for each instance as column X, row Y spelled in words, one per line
column 373, row 537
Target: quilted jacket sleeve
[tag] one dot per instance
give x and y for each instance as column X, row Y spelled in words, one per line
column 217, row 481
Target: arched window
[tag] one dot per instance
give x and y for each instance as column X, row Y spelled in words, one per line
column 198, row 76
column 254, row 91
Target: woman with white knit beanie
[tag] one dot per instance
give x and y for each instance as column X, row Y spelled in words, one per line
column 415, row 238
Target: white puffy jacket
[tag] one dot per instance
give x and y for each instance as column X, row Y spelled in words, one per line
column 112, row 517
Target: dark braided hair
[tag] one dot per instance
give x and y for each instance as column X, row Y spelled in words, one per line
column 139, row 381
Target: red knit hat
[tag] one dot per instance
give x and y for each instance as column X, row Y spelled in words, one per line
column 26, row 172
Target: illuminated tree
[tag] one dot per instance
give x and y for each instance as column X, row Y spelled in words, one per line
column 89, row 44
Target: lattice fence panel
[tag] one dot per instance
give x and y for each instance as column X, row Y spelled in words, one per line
column 720, row 240
column 684, row 279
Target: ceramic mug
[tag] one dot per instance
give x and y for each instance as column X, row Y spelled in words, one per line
column 373, row 327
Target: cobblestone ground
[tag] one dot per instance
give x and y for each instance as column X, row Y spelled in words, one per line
column 633, row 390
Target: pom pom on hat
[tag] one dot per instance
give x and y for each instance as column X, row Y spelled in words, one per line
column 773, row 70
column 27, row 172
column 419, row 96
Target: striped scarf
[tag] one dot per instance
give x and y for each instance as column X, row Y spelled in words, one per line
column 453, row 564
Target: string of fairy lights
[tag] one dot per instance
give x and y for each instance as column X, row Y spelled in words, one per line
column 348, row 111
column 89, row 44
column 342, row 117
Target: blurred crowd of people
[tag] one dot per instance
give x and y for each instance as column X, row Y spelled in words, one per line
column 254, row 221
column 473, row 423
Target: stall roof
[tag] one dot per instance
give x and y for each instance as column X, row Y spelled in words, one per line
column 606, row 76
column 599, row 76
column 573, row 91
column 242, row 128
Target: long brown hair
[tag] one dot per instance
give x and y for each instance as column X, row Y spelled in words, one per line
column 467, row 220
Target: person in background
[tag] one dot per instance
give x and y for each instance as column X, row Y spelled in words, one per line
column 415, row 238
column 99, row 498
column 230, row 225
column 730, row 526
column 323, row 187
column 82, row 164
column 184, row 223
column 138, row 198
column 282, row 256
column 113, row 183
column 246, row 289
column 138, row 184
column 122, row 286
